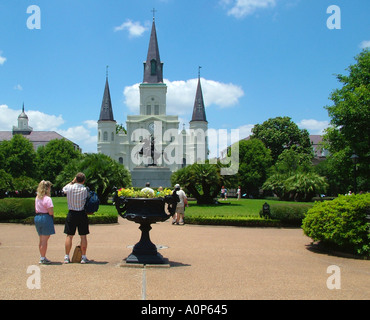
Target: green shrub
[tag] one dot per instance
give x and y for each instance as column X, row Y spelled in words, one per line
column 15, row 209
column 233, row 221
column 289, row 213
column 341, row 223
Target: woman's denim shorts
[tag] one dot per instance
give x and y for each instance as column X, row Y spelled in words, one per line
column 44, row 224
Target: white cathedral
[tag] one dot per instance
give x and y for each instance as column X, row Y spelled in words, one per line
column 152, row 146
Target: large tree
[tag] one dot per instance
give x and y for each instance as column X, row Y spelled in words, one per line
column 18, row 157
column 292, row 177
column 202, row 181
column 52, row 158
column 350, row 132
column 102, row 174
column 281, row 133
column 254, row 161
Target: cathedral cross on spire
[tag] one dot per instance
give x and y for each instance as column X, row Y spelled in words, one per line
column 154, row 11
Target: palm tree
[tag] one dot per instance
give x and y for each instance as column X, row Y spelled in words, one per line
column 102, row 174
column 299, row 186
column 305, row 186
column 202, row 181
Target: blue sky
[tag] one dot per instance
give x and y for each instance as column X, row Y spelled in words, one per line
column 260, row 59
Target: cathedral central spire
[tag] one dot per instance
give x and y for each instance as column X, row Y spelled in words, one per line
column 153, row 67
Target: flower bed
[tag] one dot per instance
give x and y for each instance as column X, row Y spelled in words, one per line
column 132, row 193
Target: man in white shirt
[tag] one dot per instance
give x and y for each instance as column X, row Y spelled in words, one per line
column 148, row 190
column 180, row 209
column 77, row 218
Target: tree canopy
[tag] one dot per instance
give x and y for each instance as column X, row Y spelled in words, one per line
column 102, row 174
column 52, row 158
column 254, row 161
column 18, row 157
column 281, row 133
column 350, row 132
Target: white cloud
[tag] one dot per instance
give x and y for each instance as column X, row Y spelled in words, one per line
column 365, row 44
column 91, row 124
column 135, row 29
column 80, row 134
column 181, row 95
column 18, row 87
column 313, row 126
column 245, row 131
column 40, row 121
column 8, row 118
column 242, row 8
column 2, row 59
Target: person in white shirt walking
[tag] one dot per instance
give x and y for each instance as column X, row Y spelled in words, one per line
column 77, row 218
column 180, row 209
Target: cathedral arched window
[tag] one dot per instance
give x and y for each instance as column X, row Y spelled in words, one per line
column 112, row 136
column 105, row 136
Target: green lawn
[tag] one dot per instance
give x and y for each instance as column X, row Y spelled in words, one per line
column 232, row 207
column 228, row 208
column 244, row 212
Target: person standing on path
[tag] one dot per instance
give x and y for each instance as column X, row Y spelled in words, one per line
column 77, row 218
column 180, row 208
column 44, row 218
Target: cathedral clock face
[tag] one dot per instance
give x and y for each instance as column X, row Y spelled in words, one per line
column 151, row 127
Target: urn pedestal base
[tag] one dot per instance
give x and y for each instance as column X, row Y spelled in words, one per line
column 145, row 251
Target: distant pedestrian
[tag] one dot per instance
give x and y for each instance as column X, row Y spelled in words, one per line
column 238, row 193
column 180, row 208
column 44, row 218
column 223, row 193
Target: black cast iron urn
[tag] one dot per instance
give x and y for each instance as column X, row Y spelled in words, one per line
column 146, row 211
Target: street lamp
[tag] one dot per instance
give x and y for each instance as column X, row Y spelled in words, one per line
column 354, row 159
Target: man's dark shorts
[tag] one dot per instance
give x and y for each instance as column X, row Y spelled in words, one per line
column 77, row 219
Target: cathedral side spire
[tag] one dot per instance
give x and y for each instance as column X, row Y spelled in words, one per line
column 153, row 67
column 199, row 111
column 106, row 111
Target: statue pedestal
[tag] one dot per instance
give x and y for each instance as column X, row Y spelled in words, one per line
column 157, row 176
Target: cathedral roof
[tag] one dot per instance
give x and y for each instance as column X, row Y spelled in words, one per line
column 106, row 111
column 36, row 137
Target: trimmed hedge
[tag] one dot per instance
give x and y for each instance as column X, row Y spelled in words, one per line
column 22, row 210
column 290, row 214
column 233, row 221
column 16, row 209
column 341, row 224
column 93, row 219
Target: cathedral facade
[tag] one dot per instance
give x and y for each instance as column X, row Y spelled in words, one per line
column 152, row 140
